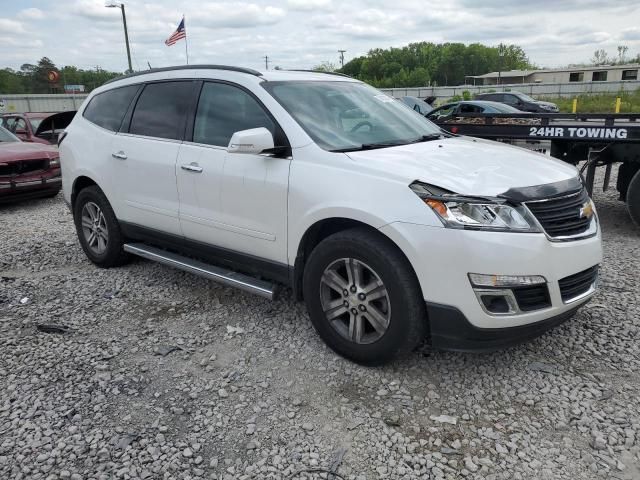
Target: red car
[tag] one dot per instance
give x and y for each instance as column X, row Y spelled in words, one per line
column 36, row 127
column 27, row 170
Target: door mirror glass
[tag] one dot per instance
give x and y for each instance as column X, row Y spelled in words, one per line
column 255, row 141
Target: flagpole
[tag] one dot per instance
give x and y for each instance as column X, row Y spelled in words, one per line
column 186, row 48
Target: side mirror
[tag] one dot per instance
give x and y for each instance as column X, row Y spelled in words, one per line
column 254, row 140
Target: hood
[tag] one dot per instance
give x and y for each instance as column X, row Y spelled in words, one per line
column 18, row 151
column 465, row 165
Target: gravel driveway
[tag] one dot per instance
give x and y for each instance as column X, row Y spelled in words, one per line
column 165, row 375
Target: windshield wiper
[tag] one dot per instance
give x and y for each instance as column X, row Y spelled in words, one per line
column 366, row 146
column 429, row 137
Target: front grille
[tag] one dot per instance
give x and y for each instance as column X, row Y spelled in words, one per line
column 22, row 167
column 532, row 297
column 561, row 217
column 578, row 283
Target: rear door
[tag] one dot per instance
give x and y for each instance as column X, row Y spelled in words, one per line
column 144, row 155
column 234, row 201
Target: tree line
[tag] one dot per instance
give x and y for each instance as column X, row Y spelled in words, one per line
column 34, row 78
column 426, row 63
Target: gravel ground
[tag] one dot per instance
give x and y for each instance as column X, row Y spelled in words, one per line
column 251, row 392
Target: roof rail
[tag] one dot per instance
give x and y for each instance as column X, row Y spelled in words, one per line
column 250, row 71
column 319, row 71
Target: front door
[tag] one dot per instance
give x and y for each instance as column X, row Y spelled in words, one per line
column 231, row 200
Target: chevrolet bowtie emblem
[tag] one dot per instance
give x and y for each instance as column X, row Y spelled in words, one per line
column 586, row 211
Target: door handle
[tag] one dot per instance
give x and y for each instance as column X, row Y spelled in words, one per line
column 119, row 155
column 192, row 167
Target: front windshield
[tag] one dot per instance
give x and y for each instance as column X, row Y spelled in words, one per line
column 7, row 136
column 35, row 123
column 350, row 115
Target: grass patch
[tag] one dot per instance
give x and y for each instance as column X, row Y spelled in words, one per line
column 600, row 103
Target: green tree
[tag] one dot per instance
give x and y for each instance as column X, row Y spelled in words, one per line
column 422, row 63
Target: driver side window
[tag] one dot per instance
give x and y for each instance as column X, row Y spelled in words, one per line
column 223, row 110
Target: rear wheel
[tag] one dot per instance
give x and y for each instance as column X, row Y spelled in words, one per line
column 363, row 297
column 633, row 198
column 98, row 229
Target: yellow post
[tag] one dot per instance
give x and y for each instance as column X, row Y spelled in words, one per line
column 574, row 109
column 618, row 101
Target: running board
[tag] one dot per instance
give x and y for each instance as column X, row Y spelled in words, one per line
column 226, row 277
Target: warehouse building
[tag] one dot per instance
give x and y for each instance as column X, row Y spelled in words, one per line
column 604, row 73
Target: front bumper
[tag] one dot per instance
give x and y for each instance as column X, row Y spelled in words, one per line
column 29, row 188
column 442, row 259
column 450, row 330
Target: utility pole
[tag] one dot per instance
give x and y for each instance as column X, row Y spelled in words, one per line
column 266, row 62
column 500, row 55
column 341, row 52
column 112, row 4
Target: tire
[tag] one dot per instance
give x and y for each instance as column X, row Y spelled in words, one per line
column 394, row 318
column 105, row 250
column 633, row 198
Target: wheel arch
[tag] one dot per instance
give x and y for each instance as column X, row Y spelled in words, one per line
column 80, row 183
column 322, row 229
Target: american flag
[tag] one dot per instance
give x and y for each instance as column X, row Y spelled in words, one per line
column 179, row 34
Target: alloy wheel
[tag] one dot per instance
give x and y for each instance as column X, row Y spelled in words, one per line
column 355, row 301
column 94, row 228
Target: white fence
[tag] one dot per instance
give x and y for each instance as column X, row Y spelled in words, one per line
column 40, row 103
column 534, row 89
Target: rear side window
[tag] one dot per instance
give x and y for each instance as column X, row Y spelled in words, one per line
column 162, row 109
column 107, row 109
column 223, row 110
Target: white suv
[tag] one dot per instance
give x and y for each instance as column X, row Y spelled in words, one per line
column 391, row 230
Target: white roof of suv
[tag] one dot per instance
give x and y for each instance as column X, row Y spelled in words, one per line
column 268, row 75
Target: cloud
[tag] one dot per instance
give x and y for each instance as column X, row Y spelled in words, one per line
column 10, row 27
column 309, row 5
column 31, row 14
column 303, row 33
column 238, row 15
column 630, row 34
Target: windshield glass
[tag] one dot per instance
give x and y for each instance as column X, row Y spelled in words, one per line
column 35, row 123
column 7, row 136
column 350, row 115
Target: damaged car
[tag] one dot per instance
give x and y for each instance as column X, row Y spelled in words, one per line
column 27, row 170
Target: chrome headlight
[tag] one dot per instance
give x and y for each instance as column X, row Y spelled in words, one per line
column 476, row 213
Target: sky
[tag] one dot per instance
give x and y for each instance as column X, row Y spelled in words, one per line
column 303, row 33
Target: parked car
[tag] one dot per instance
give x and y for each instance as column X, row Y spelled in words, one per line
column 449, row 110
column 27, row 170
column 520, row 101
column 390, row 229
column 418, row 105
column 37, row 127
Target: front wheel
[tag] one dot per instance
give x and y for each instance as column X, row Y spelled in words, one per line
column 363, row 297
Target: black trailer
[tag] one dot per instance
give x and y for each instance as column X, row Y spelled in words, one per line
column 599, row 140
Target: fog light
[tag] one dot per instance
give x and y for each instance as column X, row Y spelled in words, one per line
column 495, row 304
column 501, row 281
